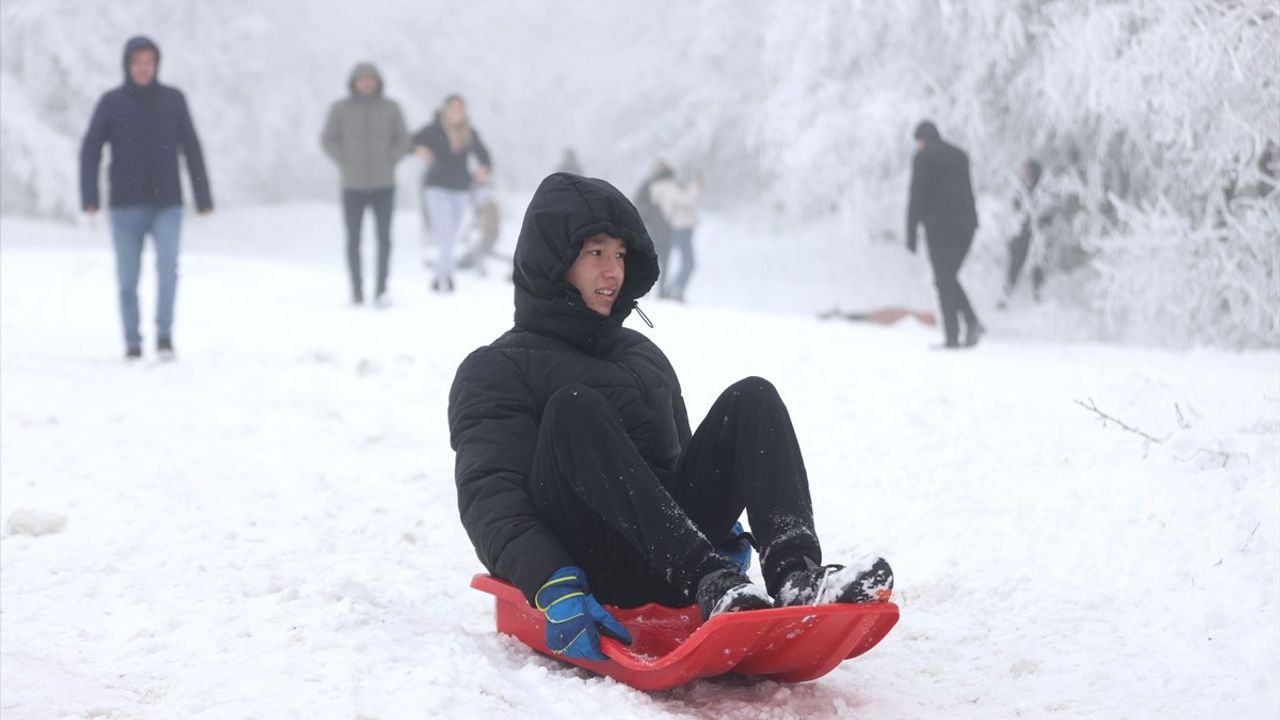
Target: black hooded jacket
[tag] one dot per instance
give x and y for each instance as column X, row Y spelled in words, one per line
column 498, row 395
column 147, row 126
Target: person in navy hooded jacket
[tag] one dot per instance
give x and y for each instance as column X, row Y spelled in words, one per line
column 147, row 124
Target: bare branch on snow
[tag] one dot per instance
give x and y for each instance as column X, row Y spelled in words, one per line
column 1090, row 405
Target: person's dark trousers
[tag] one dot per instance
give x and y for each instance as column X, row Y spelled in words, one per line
column 645, row 537
column 354, row 202
column 947, row 251
column 1019, row 247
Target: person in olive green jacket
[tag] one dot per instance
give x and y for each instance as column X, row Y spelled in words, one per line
column 365, row 135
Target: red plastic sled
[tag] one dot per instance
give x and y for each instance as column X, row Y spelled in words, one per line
column 671, row 646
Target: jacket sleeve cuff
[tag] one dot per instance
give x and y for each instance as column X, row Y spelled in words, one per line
column 534, row 569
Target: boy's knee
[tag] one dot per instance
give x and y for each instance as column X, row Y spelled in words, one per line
column 576, row 403
column 754, row 387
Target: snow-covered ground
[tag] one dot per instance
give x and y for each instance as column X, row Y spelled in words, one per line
column 266, row 528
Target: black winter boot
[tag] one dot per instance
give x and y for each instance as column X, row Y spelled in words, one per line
column 821, row 584
column 728, row 590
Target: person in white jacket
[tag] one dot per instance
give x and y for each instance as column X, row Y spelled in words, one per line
column 679, row 205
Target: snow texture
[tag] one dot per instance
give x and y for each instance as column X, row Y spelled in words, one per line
column 35, row 522
column 267, row 527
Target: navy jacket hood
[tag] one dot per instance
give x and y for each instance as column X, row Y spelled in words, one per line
column 927, row 132
column 566, row 210
column 133, row 45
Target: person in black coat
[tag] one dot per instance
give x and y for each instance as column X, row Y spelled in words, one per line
column 147, row 124
column 654, row 221
column 942, row 199
column 576, row 459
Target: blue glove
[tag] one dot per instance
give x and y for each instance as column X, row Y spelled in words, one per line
column 737, row 549
column 573, row 616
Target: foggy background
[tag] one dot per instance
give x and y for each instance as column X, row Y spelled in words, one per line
column 1158, row 116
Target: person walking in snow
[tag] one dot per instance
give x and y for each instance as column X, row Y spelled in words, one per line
column 679, row 205
column 942, row 199
column 579, row 478
column 147, row 125
column 365, row 135
column 448, row 145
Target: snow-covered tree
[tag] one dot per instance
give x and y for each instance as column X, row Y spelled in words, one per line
column 1161, row 121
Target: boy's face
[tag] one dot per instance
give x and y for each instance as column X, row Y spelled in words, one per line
column 598, row 272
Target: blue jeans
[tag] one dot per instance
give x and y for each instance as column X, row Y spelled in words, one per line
column 129, row 227
column 682, row 243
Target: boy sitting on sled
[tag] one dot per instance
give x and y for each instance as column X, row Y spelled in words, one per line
column 576, row 461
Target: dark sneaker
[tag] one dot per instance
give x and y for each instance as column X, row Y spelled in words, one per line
column 133, row 353
column 164, row 348
column 357, row 297
column 868, row 581
column 728, row 590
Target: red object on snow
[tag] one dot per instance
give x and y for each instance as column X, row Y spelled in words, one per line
column 883, row 316
column 671, row 646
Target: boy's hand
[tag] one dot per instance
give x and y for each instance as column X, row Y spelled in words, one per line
column 574, row 618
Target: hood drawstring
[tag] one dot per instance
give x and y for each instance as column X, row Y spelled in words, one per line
column 635, row 305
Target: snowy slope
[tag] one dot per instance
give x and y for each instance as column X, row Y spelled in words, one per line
column 267, row 528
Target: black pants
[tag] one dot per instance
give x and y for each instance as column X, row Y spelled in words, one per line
column 1019, row 248
column 644, row 537
column 354, row 202
column 947, row 251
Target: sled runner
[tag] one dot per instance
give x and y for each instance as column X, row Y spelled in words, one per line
column 672, row 646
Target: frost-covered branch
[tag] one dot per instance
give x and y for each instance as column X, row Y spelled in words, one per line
column 1216, row 454
column 1090, row 405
